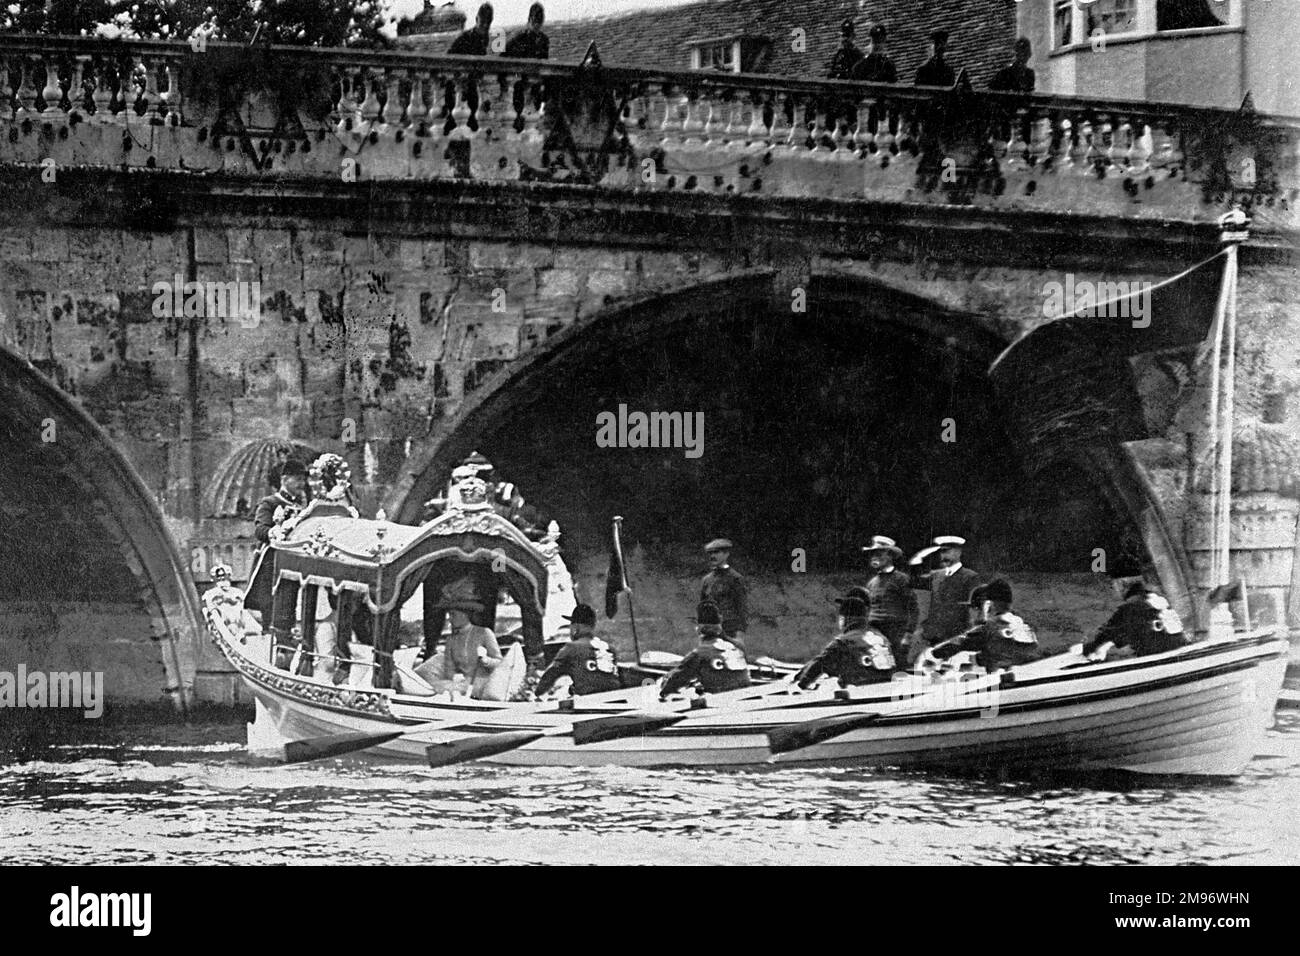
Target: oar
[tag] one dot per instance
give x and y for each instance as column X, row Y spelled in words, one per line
column 336, row 745
column 592, row 729
column 811, row 732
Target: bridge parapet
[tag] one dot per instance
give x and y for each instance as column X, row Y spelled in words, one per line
column 268, row 112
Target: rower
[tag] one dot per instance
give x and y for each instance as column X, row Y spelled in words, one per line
column 1002, row 639
column 1144, row 622
column 860, row 654
column 586, row 660
column 716, row 665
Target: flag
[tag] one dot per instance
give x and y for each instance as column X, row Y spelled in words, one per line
column 616, row 579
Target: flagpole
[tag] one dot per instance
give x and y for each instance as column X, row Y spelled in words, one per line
column 622, row 564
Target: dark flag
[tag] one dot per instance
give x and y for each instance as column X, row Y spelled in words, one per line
column 616, row 580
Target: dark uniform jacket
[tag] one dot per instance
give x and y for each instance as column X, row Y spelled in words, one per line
column 1145, row 623
column 843, row 62
column 728, row 589
column 948, row 615
column 716, row 665
column 875, row 68
column 1004, row 640
column 264, row 516
column 588, row 662
column 859, row 656
column 529, row 45
column 934, row 73
column 1015, row 79
column 892, row 601
column 470, row 43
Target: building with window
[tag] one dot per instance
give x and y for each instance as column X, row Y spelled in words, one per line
column 1201, row 52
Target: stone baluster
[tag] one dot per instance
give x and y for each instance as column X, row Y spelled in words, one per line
column 709, row 124
column 102, row 98
column 52, row 93
column 798, row 139
column 862, row 137
column 150, row 93
column 348, row 108
column 1022, row 126
column 671, row 126
column 1116, row 149
column 1081, row 150
column 885, row 142
column 756, row 133
column 1066, row 147
column 370, row 105
column 26, row 94
column 76, row 89
column 692, row 125
column 733, row 134
column 172, row 98
column 1139, row 154
column 392, row 112
column 417, row 112
column 461, row 113
column 6, row 91
column 533, row 118
column 778, row 132
column 1040, row 141
column 820, row 134
column 1162, row 147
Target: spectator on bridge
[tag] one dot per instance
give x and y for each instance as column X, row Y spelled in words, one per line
column 473, row 42
column 1016, row 77
column 936, row 71
column 846, row 57
column 875, row 67
column 531, row 43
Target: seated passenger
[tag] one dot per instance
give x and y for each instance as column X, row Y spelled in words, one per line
column 586, row 660
column 470, row 651
column 858, row 655
column 1002, row 639
column 716, row 665
column 1144, row 622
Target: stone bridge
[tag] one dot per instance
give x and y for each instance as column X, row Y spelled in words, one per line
column 438, row 254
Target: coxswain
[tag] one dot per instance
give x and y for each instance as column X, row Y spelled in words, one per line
column 1144, row 622
column 893, row 609
column 716, row 665
column 859, row 654
column 586, row 660
column 726, row 588
column 1001, row 639
column 936, row 71
column 282, row 505
column 949, row 585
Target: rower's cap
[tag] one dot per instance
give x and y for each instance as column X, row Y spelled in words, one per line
column 719, row 544
column 1136, row 588
column 950, row 541
column 998, row 590
column 707, row 613
column 880, row 543
column 977, row 597
column 582, row 614
column 852, row 607
column 878, row 32
column 939, row 36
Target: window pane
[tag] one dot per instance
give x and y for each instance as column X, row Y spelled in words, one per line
column 1112, row 16
column 1064, row 22
column 1190, row 14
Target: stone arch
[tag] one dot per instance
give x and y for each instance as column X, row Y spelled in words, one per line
column 80, row 526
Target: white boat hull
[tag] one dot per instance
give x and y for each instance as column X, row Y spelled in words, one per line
column 1200, row 711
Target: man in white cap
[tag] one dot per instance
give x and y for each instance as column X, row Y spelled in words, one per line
column 894, row 609
column 949, row 586
column 728, row 589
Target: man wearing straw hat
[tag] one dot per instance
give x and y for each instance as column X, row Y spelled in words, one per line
column 893, row 610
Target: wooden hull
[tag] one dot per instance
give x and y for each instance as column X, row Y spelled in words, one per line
column 1199, row 711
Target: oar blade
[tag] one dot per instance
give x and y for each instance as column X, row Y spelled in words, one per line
column 476, row 748
column 618, row 726
column 335, row 745
column 811, row 732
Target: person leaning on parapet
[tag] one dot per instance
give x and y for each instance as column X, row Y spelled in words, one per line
column 875, row 67
column 473, row 42
column 846, row 57
column 716, row 665
column 859, row 654
column 1144, row 622
column 531, row 43
column 725, row 587
column 1016, row 77
column 936, row 71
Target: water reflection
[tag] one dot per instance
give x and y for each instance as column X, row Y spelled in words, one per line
column 176, row 795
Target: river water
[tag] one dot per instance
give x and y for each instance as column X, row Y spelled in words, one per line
column 174, row 794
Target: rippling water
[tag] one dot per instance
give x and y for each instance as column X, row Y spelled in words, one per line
column 184, row 795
